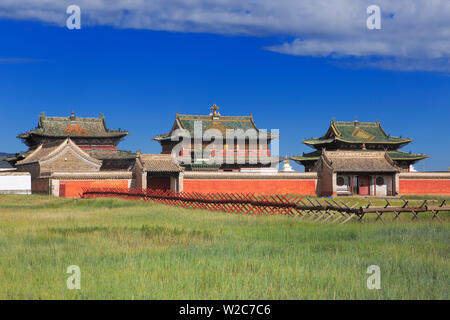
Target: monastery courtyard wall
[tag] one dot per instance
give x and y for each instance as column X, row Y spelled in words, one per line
column 303, row 183
column 424, row 183
column 277, row 183
column 71, row 184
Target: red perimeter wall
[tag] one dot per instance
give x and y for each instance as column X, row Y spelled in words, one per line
column 267, row 186
column 424, row 186
column 73, row 188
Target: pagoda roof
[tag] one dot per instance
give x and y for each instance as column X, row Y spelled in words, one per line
column 5, row 165
column 400, row 155
column 72, row 127
column 110, row 154
column 212, row 121
column 49, row 151
column 201, row 166
column 356, row 132
column 356, row 161
column 394, row 155
column 158, row 163
column 310, row 156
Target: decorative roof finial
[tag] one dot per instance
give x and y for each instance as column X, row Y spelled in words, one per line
column 214, row 110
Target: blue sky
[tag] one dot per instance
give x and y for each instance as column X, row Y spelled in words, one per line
column 140, row 77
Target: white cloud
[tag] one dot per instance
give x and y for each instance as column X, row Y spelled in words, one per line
column 415, row 34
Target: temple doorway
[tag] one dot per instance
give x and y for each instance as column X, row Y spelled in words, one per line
column 159, row 182
column 364, row 185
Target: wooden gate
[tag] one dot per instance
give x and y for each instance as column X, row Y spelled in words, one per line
column 364, row 185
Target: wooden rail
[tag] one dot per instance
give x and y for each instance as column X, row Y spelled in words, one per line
column 324, row 210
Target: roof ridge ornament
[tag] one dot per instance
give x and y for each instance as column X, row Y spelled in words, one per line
column 215, row 111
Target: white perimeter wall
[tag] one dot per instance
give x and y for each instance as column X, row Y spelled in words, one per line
column 15, row 183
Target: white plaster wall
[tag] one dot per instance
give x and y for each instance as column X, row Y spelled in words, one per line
column 15, row 184
column 173, row 184
column 55, row 187
column 345, row 188
column 385, row 189
column 388, row 182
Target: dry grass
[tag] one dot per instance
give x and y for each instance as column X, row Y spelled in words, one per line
column 130, row 250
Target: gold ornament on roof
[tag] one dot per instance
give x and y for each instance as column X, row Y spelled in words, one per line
column 215, row 110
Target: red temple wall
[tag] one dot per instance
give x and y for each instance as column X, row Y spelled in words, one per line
column 73, row 188
column 263, row 186
column 424, row 186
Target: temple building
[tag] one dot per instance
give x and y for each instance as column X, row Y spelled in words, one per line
column 228, row 143
column 67, row 154
column 64, row 169
column 89, row 134
column 214, row 153
column 357, row 158
column 157, row 171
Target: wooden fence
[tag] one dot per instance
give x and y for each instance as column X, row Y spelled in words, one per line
column 311, row 209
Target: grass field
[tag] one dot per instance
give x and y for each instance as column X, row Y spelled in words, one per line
column 134, row 250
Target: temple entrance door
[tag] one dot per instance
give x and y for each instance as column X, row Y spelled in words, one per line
column 62, row 190
column 158, row 182
column 364, row 185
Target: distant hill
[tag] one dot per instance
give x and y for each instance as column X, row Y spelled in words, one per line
column 4, row 155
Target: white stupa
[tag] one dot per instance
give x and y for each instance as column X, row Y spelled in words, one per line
column 286, row 166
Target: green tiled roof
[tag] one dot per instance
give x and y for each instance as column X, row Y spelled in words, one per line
column 394, row 155
column 220, row 123
column 399, row 155
column 201, row 166
column 356, row 132
column 311, row 156
column 18, row 156
column 4, row 164
column 72, row 126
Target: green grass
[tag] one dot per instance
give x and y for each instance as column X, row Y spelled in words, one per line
column 134, row 250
